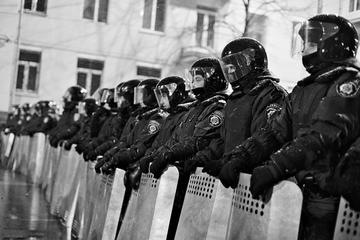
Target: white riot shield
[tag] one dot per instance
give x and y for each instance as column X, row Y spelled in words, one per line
column 149, row 211
column 61, row 180
column 46, row 165
column 206, row 209
column 276, row 217
column 18, row 154
column 54, row 157
column 347, row 223
column 90, row 197
column 115, row 191
column 71, row 188
column 24, row 159
column 4, row 143
column 9, row 145
column 78, row 222
column 99, row 210
column 40, row 140
column 12, row 153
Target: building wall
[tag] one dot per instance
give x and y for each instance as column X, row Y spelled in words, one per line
column 62, row 36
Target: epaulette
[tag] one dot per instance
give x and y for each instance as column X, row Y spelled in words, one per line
column 148, row 113
column 261, row 85
column 215, row 99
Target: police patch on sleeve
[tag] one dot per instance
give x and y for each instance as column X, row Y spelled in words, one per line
column 153, row 127
column 272, row 109
column 28, row 118
column 348, row 89
column 46, row 120
column 216, row 119
column 76, row 117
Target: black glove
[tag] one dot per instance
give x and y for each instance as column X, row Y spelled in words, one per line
column 67, row 145
column 120, row 160
column 108, row 167
column 160, row 163
column 263, row 178
column 229, row 173
column 134, row 175
column 191, row 164
column 346, row 181
column 100, row 162
column 213, row 167
column 145, row 162
column 92, row 155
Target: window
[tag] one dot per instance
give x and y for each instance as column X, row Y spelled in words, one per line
column 35, row 5
column 96, row 10
column 205, row 27
column 354, row 5
column 154, row 15
column 28, row 71
column 89, row 74
column 148, row 71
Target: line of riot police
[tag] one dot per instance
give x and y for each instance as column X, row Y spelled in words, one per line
column 254, row 126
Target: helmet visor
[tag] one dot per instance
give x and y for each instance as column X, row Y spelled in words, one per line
column 238, row 65
column 312, row 33
column 199, row 75
column 164, row 93
column 82, row 108
column 139, row 94
column 106, row 96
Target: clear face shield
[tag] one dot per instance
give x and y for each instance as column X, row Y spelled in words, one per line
column 238, row 65
column 106, row 95
column 67, row 97
column 197, row 76
column 163, row 95
column 139, row 95
column 82, row 108
column 311, row 33
column 120, row 100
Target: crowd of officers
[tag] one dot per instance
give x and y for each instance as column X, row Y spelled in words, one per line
column 228, row 116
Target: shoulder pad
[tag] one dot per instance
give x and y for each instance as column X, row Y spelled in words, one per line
column 349, row 88
column 153, row 127
column 220, row 99
column 148, row 113
column 216, row 105
column 260, row 86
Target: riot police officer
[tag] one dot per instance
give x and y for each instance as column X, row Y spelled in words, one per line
column 173, row 98
column 147, row 125
column 49, row 116
column 255, row 95
column 201, row 124
column 318, row 123
column 71, row 98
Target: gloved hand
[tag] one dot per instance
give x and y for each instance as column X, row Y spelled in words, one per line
column 61, row 142
column 145, row 162
column 134, row 175
column 346, row 181
column 263, row 178
column 53, row 141
column 191, row 164
column 67, row 145
column 229, row 173
column 100, row 162
column 160, row 163
column 213, row 167
column 92, row 155
column 120, row 160
column 79, row 148
column 108, row 167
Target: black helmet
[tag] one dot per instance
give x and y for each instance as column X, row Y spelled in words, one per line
column 97, row 95
column 107, row 97
column 207, row 78
column 327, row 38
column 243, row 59
column 15, row 109
column 170, row 92
column 124, row 93
column 144, row 93
column 74, row 94
column 87, row 107
column 25, row 108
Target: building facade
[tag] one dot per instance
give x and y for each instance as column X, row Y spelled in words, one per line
column 47, row 45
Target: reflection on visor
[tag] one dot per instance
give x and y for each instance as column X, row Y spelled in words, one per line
column 105, row 96
column 163, row 94
column 311, row 33
column 81, row 108
column 238, row 65
column 139, row 93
